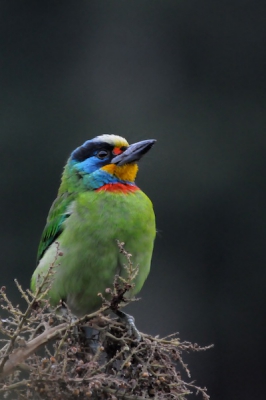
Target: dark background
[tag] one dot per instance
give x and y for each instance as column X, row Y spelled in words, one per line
column 192, row 75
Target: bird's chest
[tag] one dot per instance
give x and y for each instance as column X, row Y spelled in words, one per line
column 91, row 256
column 101, row 218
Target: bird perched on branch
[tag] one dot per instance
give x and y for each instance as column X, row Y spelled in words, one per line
column 97, row 204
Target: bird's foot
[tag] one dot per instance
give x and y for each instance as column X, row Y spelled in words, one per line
column 129, row 321
column 92, row 338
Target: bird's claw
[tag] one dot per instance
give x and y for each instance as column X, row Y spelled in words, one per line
column 129, row 321
column 92, row 338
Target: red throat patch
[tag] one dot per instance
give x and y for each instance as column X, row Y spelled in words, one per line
column 118, row 188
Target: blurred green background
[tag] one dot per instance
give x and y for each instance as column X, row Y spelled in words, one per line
column 191, row 75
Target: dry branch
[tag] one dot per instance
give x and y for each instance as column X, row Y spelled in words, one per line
column 47, row 355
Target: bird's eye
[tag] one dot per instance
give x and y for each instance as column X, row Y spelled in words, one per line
column 102, row 154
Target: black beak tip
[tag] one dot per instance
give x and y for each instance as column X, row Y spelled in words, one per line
column 148, row 145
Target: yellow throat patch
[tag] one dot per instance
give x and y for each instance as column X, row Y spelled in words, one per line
column 125, row 172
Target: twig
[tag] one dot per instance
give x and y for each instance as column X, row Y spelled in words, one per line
column 21, row 354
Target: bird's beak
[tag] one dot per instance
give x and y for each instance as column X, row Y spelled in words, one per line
column 134, row 152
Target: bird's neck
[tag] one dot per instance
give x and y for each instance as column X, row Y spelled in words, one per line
column 108, row 182
column 100, row 180
column 118, row 187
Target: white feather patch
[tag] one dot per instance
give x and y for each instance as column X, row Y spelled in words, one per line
column 113, row 140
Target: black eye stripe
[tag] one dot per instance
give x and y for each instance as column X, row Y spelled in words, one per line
column 89, row 149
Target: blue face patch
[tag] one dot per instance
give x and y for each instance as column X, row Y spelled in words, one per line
column 90, row 165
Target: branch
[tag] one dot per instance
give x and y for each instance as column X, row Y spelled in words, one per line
column 113, row 365
column 21, row 354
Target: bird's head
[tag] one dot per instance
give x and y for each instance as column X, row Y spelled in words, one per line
column 106, row 159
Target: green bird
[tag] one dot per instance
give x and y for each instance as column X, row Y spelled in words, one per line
column 97, row 204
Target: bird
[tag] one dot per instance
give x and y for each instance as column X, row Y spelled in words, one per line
column 98, row 203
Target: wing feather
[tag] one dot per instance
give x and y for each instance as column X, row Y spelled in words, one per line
column 59, row 212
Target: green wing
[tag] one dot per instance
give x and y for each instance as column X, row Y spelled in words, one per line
column 58, row 213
